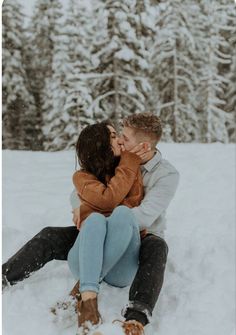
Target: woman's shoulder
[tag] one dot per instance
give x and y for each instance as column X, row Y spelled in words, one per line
column 82, row 175
column 81, row 178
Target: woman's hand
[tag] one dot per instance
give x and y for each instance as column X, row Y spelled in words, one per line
column 142, row 150
column 76, row 217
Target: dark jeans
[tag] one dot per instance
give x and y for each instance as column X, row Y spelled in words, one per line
column 55, row 243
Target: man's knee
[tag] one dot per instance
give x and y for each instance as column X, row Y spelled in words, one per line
column 155, row 246
column 54, row 238
column 47, row 233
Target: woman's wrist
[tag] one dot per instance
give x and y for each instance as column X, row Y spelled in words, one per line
column 131, row 158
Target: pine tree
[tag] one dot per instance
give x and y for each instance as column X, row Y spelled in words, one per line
column 44, row 28
column 173, row 69
column 231, row 99
column 230, row 73
column 145, row 17
column 81, row 36
column 19, row 113
column 119, row 85
column 70, row 95
column 55, row 117
column 217, row 52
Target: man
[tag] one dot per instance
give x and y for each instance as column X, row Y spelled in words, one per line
column 160, row 181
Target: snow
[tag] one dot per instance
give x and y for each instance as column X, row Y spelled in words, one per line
column 198, row 296
column 125, row 53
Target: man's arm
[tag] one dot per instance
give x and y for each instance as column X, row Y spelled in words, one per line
column 156, row 200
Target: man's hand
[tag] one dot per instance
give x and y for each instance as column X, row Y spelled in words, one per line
column 142, row 150
column 76, row 217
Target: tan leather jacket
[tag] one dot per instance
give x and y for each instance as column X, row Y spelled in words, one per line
column 124, row 188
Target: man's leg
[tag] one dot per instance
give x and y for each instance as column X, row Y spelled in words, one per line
column 50, row 243
column 148, row 281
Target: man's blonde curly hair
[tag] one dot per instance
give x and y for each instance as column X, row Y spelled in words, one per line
column 146, row 125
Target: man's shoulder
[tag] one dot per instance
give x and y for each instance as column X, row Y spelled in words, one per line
column 166, row 172
column 164, row 169
column 167, row 167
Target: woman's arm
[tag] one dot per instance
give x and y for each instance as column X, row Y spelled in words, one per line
column 135, row 195
column 107, row 197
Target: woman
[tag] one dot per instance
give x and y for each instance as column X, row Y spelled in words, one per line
column 107, row 247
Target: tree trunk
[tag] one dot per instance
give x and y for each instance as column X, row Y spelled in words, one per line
column 175, row 95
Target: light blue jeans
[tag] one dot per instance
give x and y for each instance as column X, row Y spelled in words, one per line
column 107, row 248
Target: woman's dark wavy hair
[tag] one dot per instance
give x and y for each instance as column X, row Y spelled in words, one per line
column 94, row 151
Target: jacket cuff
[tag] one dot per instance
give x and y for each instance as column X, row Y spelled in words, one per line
column 138, row 307
column 130, row 160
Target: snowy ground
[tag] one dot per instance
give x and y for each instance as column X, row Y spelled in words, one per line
column 198, row 296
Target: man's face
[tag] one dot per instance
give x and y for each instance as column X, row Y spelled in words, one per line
column 128, row 138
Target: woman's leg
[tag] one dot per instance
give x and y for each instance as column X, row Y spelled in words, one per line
column 121, row 249
column 100, row 246
column 86, row 256
column 85, row 260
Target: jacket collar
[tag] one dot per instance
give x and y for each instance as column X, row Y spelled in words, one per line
column 152, row 162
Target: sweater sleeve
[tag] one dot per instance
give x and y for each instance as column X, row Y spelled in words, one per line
column 156, row 200
column 107, row 197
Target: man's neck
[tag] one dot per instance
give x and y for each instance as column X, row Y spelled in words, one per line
column 150, row 155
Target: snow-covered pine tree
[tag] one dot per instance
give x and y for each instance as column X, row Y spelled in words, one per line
column 217, row 51
column 118, row 84
column 145, row 18
column 79, row 26
column 55, row 117
column 173, row 70
column 19, row 113
column 69, row 92
column 231, row 98
column 32, row 74
column 44, row 26
column 230, row 72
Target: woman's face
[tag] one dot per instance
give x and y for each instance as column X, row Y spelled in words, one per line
column 114, row 141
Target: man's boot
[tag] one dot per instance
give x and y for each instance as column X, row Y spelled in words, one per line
column 133, row 327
